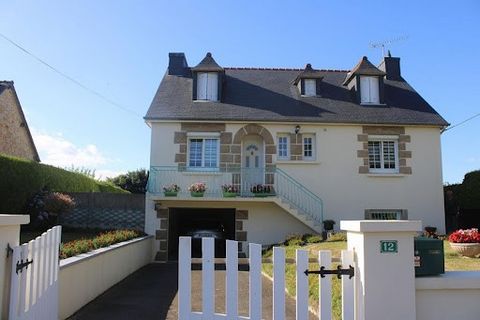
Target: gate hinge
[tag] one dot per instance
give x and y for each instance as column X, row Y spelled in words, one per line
column 350, row 272
column 21, row 265
column 9, row 250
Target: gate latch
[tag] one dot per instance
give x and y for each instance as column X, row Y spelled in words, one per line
column 21, row 265
column 350, row 272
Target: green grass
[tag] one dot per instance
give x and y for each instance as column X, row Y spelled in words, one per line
column 453, row 262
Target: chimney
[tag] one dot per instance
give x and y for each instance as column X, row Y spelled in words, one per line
column 391, row 66
column 177, row 64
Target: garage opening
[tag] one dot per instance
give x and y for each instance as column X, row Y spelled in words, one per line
column 197, row 223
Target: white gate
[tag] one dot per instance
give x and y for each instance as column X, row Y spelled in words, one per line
column 34, row 286
column 255, row 283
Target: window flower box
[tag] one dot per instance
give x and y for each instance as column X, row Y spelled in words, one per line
column 262, row 191
column 197, row 189
column 229, row 191
column 171, row 190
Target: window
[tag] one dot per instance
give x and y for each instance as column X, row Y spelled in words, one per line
column 386, row 214
column 283, row 147
column 310, row 89
column 203, row 153
column 308, row 147
column 369, row 90
column 383, row 156
column 207, row 86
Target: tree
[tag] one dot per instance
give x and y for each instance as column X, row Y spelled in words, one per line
column 133, row 181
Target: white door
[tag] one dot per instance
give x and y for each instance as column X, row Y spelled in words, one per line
column 253, row 162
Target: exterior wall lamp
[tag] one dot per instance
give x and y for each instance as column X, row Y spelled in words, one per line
column 297, row 129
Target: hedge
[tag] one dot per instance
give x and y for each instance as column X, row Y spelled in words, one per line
column 20, row 179
column 469, row 195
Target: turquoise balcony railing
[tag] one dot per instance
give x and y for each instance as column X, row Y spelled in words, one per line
column 288, row 190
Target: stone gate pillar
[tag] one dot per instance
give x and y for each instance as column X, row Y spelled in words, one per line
column 385, row 271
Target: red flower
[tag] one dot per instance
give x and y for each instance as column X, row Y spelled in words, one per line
column 465, row 236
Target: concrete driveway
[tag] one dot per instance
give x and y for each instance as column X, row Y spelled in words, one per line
column 151, row 293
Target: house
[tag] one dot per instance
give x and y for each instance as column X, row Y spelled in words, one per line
column 329, row 144
column 15, row 137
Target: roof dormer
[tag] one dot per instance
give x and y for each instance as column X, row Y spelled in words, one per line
column 207, row 80
column 367, row 82
column 308, row 81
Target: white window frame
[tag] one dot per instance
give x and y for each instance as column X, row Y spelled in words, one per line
column 314, row 147
column 310, row 87
column 287, row 156
column 207, row 86
column 203, row 136
column 369, row 90
column 383, row 139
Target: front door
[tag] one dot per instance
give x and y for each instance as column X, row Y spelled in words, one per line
column 253, row 163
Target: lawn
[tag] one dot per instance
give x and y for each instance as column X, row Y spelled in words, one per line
column 453, row 261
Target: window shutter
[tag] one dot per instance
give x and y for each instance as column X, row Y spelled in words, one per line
column 310, row 87
column 374, row 90
column 212, row 86
column 302, row 86
column 202, row 79
column 364, row 89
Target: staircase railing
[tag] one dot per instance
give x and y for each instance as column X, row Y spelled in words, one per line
column 298, row 196
column 286, row 188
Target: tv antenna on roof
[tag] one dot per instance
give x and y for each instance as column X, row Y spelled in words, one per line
column 385, row 43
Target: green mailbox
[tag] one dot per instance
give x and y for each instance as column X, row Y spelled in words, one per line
column 429, row 257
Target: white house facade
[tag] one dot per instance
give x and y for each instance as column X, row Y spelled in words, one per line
column 295, row 147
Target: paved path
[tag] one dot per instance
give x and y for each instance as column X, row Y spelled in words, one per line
column 151, row 293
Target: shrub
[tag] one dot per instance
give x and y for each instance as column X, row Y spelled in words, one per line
column 294, row 240
column 105, row 239
column 21, row 179
column 311, row 238
column 132, row 181
column 58, row 203
column 339, row 236
column 469, row 192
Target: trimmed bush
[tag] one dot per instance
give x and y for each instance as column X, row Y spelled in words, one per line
column 103, row 240
column 21, row 179
column 469, row 196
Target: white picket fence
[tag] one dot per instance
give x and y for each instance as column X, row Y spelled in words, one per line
column 34, row 288
column 255, row 283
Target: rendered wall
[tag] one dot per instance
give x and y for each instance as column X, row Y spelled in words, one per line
column 454, row 295
column 334, row 174
column 82, row 278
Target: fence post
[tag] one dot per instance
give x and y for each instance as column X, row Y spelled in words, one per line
column 9, row 235
column 384, row 274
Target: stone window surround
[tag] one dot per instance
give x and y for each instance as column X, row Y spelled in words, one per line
column 163, row 214
column 403, row 153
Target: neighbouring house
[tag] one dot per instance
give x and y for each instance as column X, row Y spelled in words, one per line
column 326, row 144
column 15, row 137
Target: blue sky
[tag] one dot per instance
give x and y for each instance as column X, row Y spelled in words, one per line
column 120, row 49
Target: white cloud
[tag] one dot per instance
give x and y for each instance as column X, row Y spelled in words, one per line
column 58, row 151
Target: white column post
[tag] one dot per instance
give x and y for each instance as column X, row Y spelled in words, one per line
column 385, row 272
column 9, row 235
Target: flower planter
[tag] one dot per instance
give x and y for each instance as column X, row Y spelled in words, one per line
column 263, row 195
column 229, row 194
column 197, row 194
column 466, row 249
column 170, row 193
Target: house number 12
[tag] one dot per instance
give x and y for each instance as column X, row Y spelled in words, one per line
column 388, row 246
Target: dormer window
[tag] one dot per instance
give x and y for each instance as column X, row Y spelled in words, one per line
column 366, row 82
column 369, row 90
column 207, row 86
column 310, row 89
column 308, row 81
column 207, row 80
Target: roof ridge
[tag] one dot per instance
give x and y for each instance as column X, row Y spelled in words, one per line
column 283, row 69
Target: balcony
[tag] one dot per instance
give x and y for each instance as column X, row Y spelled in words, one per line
column 287, row 192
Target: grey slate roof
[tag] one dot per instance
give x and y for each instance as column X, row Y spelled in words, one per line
column 207, row 64
column 256, row 94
